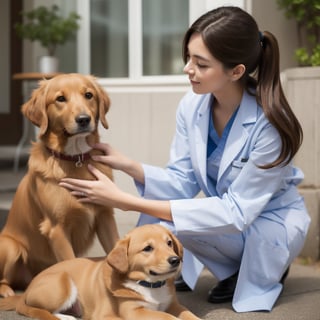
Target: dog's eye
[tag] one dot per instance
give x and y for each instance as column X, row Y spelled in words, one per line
column 170, row 243
column 88, row 95
column 148, row 248
column 61, row 99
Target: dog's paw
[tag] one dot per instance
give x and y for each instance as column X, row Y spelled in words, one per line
column 6, row 291
column 64, row 317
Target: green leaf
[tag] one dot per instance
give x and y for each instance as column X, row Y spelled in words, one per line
column 48, row 27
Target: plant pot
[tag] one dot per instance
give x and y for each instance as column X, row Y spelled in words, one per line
column 48, row 64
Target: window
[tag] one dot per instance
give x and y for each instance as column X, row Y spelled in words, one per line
column 163, row 26
column 109, row 52
column 136, row 38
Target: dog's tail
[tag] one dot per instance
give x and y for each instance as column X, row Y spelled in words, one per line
column 9, row 303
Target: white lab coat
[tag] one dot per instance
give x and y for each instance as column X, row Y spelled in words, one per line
column 253, row 221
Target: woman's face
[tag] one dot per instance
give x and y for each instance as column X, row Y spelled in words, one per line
column 206, row 74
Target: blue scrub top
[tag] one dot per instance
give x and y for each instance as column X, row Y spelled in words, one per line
column 215, row 147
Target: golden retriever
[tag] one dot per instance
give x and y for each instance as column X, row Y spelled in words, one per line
column 46, row 224
column 135, row 281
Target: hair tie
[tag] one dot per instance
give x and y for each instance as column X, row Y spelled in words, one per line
column 261, row 38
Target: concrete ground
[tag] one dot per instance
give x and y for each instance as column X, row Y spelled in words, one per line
column 300, row 299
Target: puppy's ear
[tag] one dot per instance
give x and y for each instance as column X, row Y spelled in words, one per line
column 177, row 246
column 103, row 101
column 118, row 257
column 35, row 108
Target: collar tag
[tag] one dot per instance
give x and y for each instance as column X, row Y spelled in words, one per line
column 79, row 162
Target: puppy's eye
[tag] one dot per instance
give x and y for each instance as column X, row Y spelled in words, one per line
column 61, row 99
column 170, row 243
column 147, row 249
column 88, row 95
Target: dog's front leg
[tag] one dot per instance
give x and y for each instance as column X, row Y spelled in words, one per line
column 107, row 230
column 181, row 312
column 59, row 243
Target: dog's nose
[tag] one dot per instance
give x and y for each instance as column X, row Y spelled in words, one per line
column 83, row 120
column 174, row 261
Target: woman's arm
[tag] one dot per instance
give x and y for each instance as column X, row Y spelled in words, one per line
column 104, row 192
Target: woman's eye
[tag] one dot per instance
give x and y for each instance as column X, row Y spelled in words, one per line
column 61, row 99
column 88, row 95
column 201, row 66
column 147, row 249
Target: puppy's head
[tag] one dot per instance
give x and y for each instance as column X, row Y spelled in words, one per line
column 66, row 106
column 150, row 252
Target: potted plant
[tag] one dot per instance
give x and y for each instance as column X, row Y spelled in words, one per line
column 307, row 15
column 50, row 29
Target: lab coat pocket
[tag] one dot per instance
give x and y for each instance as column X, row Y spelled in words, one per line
column 236, row 168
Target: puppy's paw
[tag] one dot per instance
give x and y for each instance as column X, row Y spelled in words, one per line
column 6, row 291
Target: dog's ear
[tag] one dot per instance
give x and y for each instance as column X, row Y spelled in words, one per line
column 177, row 246
column 103, row 101
column 35, row 108
column 118, row 257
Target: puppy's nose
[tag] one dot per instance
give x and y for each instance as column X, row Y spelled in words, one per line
column 83, row 120
column 174, row 261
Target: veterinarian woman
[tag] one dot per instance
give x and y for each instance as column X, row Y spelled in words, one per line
column 235, row 139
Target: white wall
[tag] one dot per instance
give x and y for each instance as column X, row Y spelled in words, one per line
column 142, row 123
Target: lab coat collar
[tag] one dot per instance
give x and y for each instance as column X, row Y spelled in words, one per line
column 201, row 140
column 238, row 135
column 247, row 114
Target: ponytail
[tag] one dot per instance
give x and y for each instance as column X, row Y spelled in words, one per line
column 270, row 96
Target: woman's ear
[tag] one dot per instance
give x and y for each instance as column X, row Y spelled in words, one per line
column 237, row 72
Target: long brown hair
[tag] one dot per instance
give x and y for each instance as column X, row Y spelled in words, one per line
column 232, row 36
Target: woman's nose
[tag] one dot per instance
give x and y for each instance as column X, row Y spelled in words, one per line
column 188, row 68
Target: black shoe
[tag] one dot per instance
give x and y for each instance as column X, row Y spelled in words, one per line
column 224, row 290
column 181, row 285
column 284, row 276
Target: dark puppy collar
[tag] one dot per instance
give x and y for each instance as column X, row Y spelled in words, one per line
column 77, row 158
column 152, row 285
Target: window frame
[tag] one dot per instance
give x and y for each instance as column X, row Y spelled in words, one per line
column 196, row 8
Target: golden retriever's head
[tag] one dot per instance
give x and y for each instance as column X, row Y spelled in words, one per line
column 150, row 252
column 66, row 106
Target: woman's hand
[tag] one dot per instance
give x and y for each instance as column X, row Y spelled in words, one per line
column 118, row 161
column 101, row 191
column 104, row 192
column 111, row 157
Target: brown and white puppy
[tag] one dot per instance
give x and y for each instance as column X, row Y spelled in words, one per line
column 46, row 224
column 135, row 281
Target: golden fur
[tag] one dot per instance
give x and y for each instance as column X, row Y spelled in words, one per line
column 109, row 289
column 46, row 224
